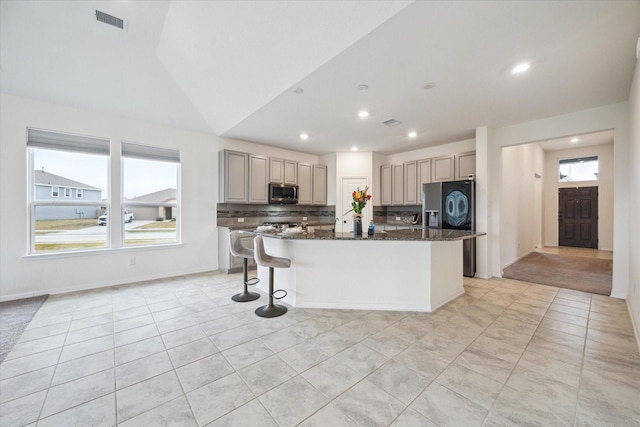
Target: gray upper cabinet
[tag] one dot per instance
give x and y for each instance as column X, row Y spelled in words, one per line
column 319, row 186
column 258, row 174
column 283, row 171
column 397, row 185
column 424, row 176
column 234, row 173
column 465, row 165
column 385, row 185
column 305, row 184
column 411, row 183
column 443, row 168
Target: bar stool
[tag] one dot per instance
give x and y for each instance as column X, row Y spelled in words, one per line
column 271, row 309
column 238, row 249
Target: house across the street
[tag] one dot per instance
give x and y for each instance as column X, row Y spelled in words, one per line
column 152, row 213
column 53, row 187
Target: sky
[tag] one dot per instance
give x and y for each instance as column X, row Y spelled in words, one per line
column 140, row 176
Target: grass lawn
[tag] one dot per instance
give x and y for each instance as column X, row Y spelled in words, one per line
column 65, row 224
column 156, row 225
column 61, row 246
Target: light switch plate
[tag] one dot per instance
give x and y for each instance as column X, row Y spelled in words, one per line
column 398, row 218
column 240, row 219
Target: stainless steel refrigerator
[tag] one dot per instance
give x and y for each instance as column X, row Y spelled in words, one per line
column 458, row 213
column 451, row 205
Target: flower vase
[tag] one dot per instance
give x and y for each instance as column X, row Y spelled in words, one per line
column 357, row 225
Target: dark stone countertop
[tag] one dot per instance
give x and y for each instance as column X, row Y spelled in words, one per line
column 427, row 235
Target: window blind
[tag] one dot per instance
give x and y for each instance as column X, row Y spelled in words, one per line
column 150, row 153
column 66, row 142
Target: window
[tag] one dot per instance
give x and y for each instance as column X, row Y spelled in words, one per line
column 150, row 182
column 79, row 193
column 578, row 169
column 68, row 161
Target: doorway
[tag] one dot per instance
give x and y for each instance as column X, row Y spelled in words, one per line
column 578, row 217
column 348, row 186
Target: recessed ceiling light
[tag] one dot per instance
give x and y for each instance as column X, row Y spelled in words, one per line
column 354, row 148
column 574, row 140
column 304, row 136
column 363, row 87
column 363, row 114
column 429, row 86
column 520, row 68
column 412, row 134
column 298, row 90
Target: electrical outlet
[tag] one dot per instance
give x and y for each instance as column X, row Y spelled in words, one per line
column 304, row 218
column 398, row 218
column 240, row 219
column 132, row 261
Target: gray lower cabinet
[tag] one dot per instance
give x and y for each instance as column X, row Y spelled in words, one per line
column 228, row 263
column 319, row 185
column 234, row 174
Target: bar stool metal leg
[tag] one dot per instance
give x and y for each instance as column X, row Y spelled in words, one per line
column 246, row 296
column 272, row 310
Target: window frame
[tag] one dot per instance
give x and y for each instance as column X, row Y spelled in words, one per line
column 112, row 151
column 54, row 140
column 55, row 191
column 67, row 190
column 131, row 150
column 573, row 160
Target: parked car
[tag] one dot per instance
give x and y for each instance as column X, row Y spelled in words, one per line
column 128, row 217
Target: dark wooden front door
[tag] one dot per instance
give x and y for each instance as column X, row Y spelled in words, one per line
column 578, row 217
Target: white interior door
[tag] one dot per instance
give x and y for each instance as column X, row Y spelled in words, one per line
column 345, row 221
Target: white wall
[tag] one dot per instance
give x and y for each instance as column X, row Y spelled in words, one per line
column 634, row 202
column 353, row 164
column 22, row 276
column 616, row 117
column 605, row 192
column 520, row 165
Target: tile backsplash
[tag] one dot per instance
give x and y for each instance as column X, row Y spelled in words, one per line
column 253, row 215
column 228, row 214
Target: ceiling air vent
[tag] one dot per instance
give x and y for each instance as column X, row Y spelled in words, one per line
column 391, row 122
column 109, row 19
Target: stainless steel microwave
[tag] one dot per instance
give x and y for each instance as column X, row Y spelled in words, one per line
column 280, row 194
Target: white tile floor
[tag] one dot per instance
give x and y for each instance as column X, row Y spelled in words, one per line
column 180, row 352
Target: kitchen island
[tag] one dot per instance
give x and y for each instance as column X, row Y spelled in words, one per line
column 403, row 270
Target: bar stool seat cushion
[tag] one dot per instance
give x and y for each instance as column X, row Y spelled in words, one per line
column 265, row 260
column 237, row 248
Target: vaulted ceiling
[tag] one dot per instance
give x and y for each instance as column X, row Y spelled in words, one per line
column 267, row 71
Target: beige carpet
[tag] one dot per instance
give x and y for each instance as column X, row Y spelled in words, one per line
column 586, row 274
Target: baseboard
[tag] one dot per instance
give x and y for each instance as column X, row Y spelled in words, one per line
column 98, row 285
column 636, row 330
column 24, row 295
